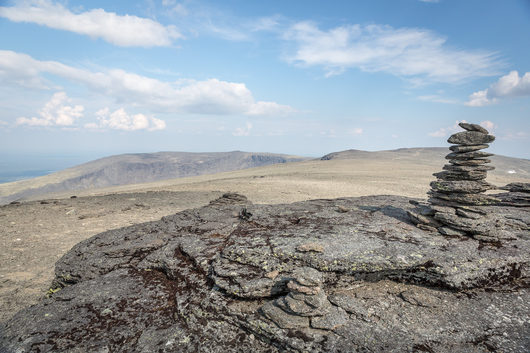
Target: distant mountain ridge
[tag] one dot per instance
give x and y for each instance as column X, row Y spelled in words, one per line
column 153, row 167
column 433, row 156
column 139, row 168
column 400, row 153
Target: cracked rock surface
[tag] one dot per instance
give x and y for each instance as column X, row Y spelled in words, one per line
column 220, row 279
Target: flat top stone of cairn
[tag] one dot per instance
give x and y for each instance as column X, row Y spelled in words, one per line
column 473, row 127
column 474, row 136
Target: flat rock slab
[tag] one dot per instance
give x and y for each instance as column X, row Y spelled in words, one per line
column 469, row 162
column 470, row 138
column 517, row 187
column 473, row 127
column 467, row 169
column 470, row 148
column 468, row 155
column 461, row 175
column 466, row 198
column 200, row 280
column 461, row 186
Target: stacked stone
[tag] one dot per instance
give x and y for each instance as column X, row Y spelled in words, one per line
column 306, row 299
column 457, row 195
column 462, row 181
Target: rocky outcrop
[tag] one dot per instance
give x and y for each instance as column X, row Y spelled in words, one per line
column 344, row 275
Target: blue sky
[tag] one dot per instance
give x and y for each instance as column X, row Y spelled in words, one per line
column 97, row 78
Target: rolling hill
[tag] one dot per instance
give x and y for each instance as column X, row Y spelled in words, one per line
column 138, row 168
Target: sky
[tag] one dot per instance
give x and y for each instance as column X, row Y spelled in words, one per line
column 86, row 79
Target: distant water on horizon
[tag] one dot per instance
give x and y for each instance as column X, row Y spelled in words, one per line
column 7, row 177
column 17, row 166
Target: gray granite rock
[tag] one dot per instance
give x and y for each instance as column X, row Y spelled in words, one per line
column 335, row 318
column 467, row 214
column 469, row 148
column 423, row 222
column 200, row 280
column 461, row 186
column 515, row 199
column 451, row 231
column 466, row 199
column 478, row 210
column 517, row 187
column 469, row 162
column 470, row 138
column 444, row 209
column 305, row 305
column 455, row 222
column 307, row 276
column 282, row 318
column 467, row 169
column 461, row 175
column 468, row 155
column 473, row 127
column 426, row 227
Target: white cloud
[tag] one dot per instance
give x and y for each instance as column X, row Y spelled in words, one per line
column 237, row 29
column 243, row 131
column 121, row 120
column 270, row 23
column 431, row 1
column 120, row 30
column 417, row 54
column 175, row 8
column 479, row 99
column 356, row 131
column 510, row 85
column 437, row 99
column 3, row 123
column 444, row 131
column 488, row 125
column 55, row 112
column 210, row 96
column 269, row 108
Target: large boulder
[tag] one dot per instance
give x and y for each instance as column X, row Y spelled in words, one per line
column 344, row 275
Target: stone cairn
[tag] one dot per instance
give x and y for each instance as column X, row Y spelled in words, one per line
column 457, row 196
column 306, row 304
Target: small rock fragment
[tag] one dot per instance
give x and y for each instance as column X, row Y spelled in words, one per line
column 342, row 209
column 310, row 247
column 272, row 274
